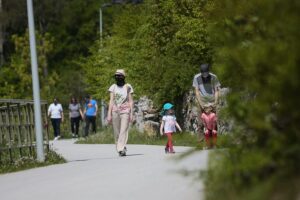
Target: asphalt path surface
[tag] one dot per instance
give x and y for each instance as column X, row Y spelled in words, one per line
column 96, row 172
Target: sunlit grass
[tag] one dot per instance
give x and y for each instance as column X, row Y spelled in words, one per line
column 136, row 137
column 27, row 162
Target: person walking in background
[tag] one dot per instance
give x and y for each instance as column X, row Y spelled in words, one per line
column 90, row 113
column 207, row 88
column 55, row 112
column 75, row 116
column 168, row 126
column 209, row 120
column 120, row 110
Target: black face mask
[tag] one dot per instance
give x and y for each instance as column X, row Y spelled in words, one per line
column 120, row 81
column 205, row 74
column 55, row 102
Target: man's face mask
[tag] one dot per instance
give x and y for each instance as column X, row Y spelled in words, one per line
column 205, row 74
column 120, row 80
column 55, row 101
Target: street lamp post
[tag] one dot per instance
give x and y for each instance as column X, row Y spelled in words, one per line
column 36, row 86
column 101, row 45
column 101, row 21
column 100, row 24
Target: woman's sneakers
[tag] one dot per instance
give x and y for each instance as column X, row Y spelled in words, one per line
column 57, row 137
column 123, row 153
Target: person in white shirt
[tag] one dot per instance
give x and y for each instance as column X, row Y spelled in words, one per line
column 55, row 112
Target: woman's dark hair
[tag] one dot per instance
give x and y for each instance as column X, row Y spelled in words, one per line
column 75, row 100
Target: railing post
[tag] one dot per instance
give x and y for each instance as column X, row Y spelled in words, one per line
column 9, row 132
column 19, row 129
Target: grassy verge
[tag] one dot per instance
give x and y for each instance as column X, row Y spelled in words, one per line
column 28, row 162
column 135, row 137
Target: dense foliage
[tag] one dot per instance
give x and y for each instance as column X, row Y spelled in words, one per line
column 69, row 28
column 15, row 79
column 160, row 44
column 257, row 46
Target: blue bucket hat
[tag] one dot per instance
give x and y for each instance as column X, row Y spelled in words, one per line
column 167, row 106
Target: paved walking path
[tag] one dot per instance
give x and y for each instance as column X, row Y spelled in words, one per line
column 96, row 172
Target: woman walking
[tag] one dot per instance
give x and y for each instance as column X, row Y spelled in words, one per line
column 120, row 111
column 55, row 112
column 75, row 116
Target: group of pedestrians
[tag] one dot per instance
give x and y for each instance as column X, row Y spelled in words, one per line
column 55, row 112
column 206, row 87
column 120, row 111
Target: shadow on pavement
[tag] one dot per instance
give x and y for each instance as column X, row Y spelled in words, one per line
column 137, row 154
column 107, row 158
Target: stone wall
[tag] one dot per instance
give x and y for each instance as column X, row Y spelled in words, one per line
column 146, row 116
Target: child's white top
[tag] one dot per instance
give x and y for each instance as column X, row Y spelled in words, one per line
column 170, row 123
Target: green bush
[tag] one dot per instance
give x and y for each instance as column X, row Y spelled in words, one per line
column 257, row 56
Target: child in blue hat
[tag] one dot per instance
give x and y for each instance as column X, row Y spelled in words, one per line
column 168, row 126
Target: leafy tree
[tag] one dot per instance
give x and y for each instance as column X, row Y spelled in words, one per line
column 73, row 26
column 16, row 81
column 151, row 42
